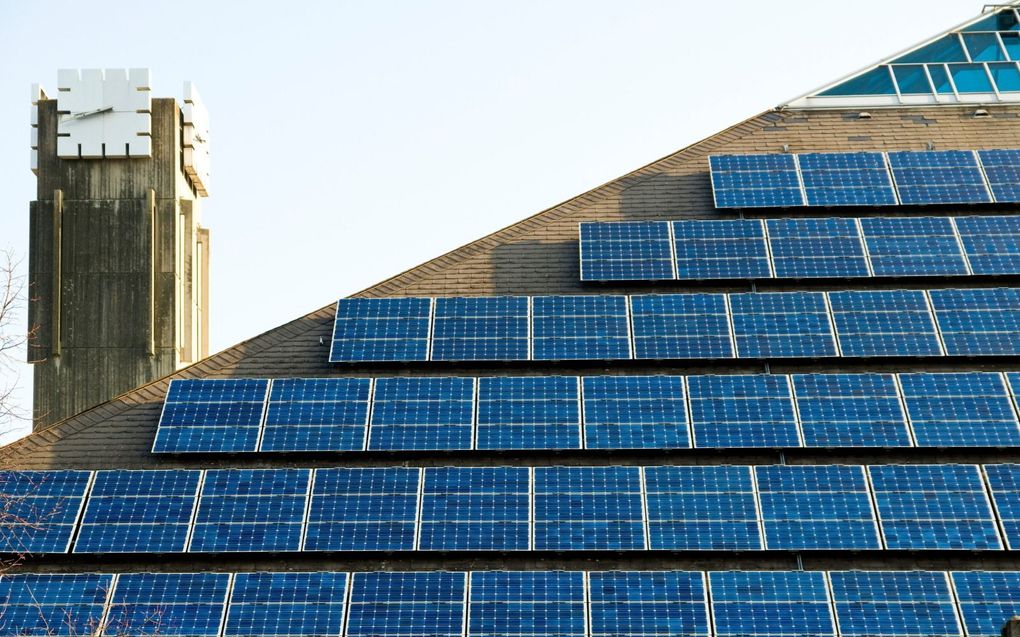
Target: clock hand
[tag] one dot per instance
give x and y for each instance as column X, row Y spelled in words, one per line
column 87, row 113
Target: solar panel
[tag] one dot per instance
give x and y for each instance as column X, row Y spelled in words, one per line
column 884, row 323
column 286, row 605
column 701, row 508
column 987, row 600
column 767, row 603
column 819, row 248
column 588, row 508
column 475, row 508
column 580, row 328
column 39, row 509
column 755, row 181
column 53, row 604
column 407, row 604
column 933, row 507
column 850, row 410
column 1004, row 483
column 678, row 326
column 1002, row 168
column 138, row 512
column 782, row 325
column 184, row 604
column 648, row 604
column 880, row 603
column 992, row 244
column 251, row 510
column 211, row 415
column 635, row 412
column 526, row 604
column 913, row 246
column 626, row 251
column 979, row 322
column 316, row 414
column 363, row 509
column 960, row 410
column 493, row 328
column 422, row 413
column 742, row 411
column 938, row 177
column 721, row 249
column 846, row 179
column 391, row 329
column 533, row 412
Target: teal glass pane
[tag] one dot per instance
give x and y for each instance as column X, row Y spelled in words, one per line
column 941, row 79
column 1012, row 43
column 875, row 82
column 1006, row 77
column 912, row 79
column 984, row 47
column 945, row 49
column 970, row 78
column 1002, row 21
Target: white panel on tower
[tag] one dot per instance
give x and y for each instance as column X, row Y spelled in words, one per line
column 104, row 113
column 195, row 119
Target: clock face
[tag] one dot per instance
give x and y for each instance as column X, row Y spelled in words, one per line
column 104, row 113
column 195, row 122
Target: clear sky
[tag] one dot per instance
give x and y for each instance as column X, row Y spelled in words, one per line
column 353, row 140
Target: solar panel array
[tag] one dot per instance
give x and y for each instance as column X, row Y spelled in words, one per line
column 801, row 248
column 962, row 409
column 969, row 322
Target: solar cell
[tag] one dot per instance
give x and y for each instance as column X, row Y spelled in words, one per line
column 816, row 507
column 648, row 604
column 819, row 248
column 850, row 410
column 39, row 509
column 626, row 251
column 933, row 507
column 880, row 603
column 493, row 328
column 960, row 410
column 182, row 604
column 987, row 600
column 681, row 326
column 286, row 605
column 390, row 329
column 721, row 249
column 913, row 246
column 782, row 325
column 526, row 604
column 407, row 604
column 62, row 605
column 580, row 328
column 588, row 508
column 211, row 415
column 251, row 510
column 884, row 323
column 846, row 179
column 422, row 413
column 701, row 508
column 363, row 509
column 1004, row 483
column 938, row 177
column 755, row 181
column 766, row 603
column 992, row 244
column 979, row 322
column 533, row 412
column 1002, row 168
column 316, row 414
column 138, row 512
column 742, row 411
column 475, row 508
column 635, row 412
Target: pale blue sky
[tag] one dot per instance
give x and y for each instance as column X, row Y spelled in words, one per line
column 353, row 140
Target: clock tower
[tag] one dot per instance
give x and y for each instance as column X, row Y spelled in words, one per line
column 118, row 255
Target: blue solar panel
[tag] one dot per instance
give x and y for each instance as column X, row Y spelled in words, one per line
column 211, row 415
column 588, row 508
column 884, row 323
column 820, row 248
column 721, row 249
column 979, row 322
column 363, row 509
column 987, row 600
column 742, row 411
column 755, row 181
column 878, row 603
column 527, row 604
column 251, row 510
column 39, row 509
column 48, row 605
column 533, row 412
column 701, row 508
column 422, row 413
column 938, row 177
column 286, row 605
column 580, row 328
column 635, row 412
column 626, row 251
column 391, row 329
column 767, row 603
column 648, row 604
column 406, row 604
column 846, row 179
column 782, row 325
column 493, row 328
column 913, row 246
column 1004, row 483
column 960, row 410
column 138, row 512
column 850, row 410
column 681, row 326
column 475, row 508
column 816, row 507
column 316, row 414
column 992, row 244
column 181, row 604
column 1002, row 167
column 933, row 507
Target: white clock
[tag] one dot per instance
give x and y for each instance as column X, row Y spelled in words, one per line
column 195, row 121
column 104, row 113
